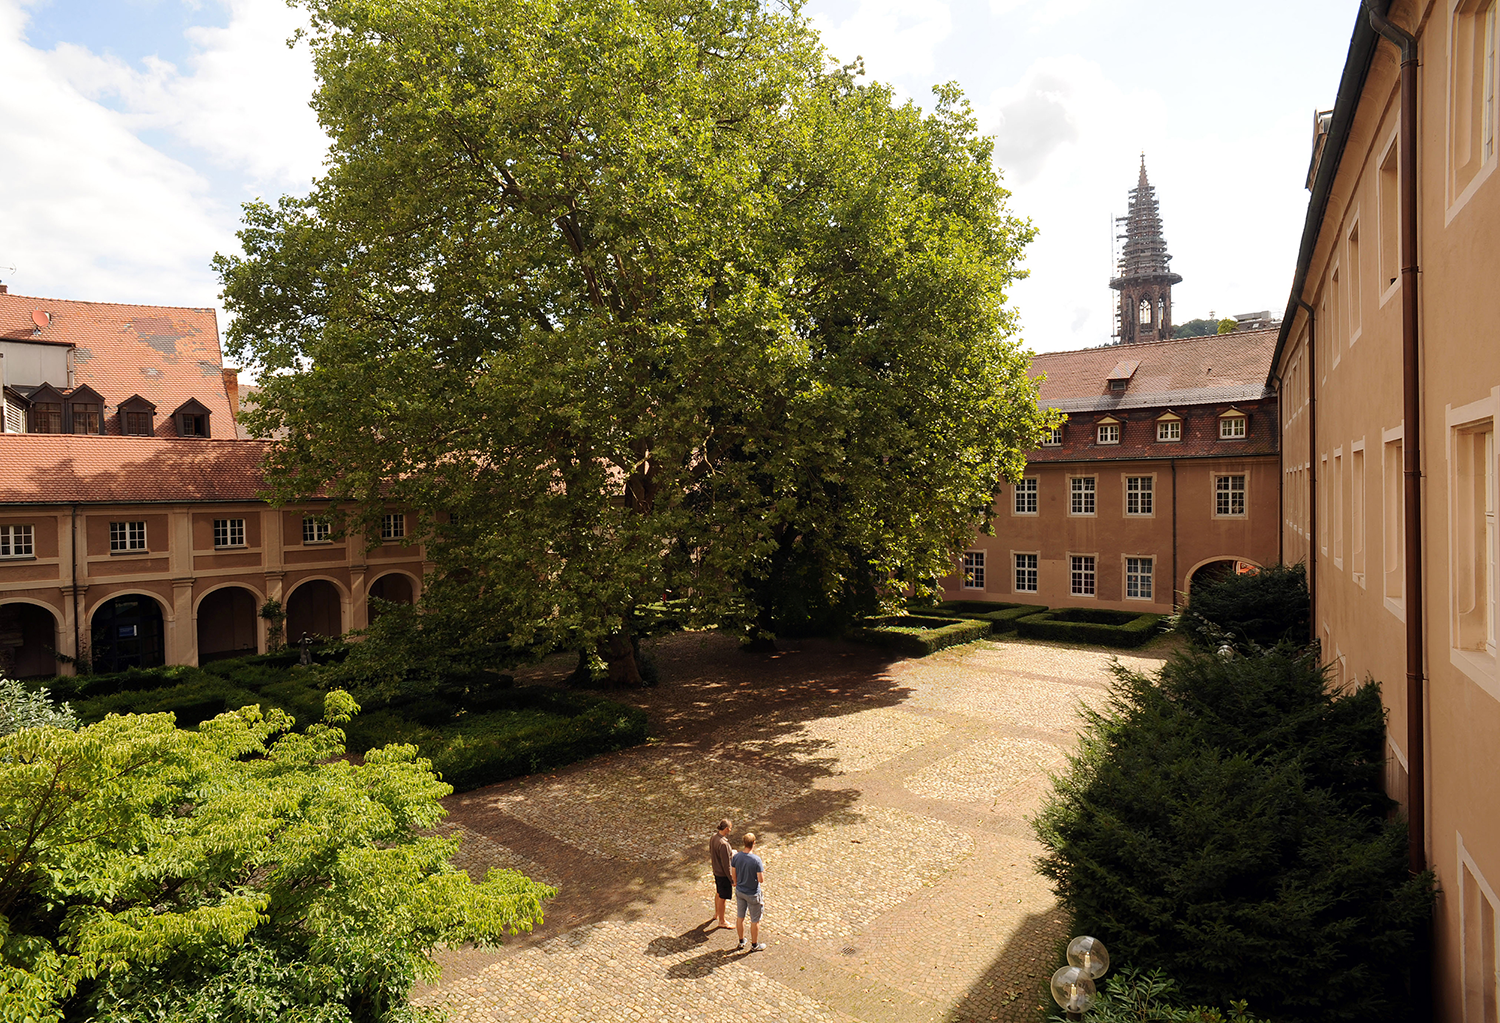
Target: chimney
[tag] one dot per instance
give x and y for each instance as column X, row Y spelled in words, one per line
column 232, row 391
column 4, row 289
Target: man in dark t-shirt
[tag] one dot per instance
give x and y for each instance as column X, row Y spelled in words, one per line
column 719, row 855
column 749, row 892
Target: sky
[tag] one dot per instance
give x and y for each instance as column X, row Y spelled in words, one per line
column 132, row 131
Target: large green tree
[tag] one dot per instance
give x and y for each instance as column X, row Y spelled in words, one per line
column 239, row 872
column 631, row 299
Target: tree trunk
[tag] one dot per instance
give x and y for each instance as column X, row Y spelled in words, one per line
column 619, row 654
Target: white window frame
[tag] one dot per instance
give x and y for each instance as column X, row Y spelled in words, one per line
column 1083, row 496
column 1142, row 488
column 127, row 537
column 1168, row 431
column 1140, row 573
column 1393, row 520
column 1109, row 433
column 315, row 531
column 1053, row 438
column 229, row 533
column 392, row 526
column 1473, row 542
column 1464, row 23
column 1030, row 571
column 1478, row 925
column 971, row 570
column 1026, row 497
column 1229, row 492
column 1234, row 427
column 18, row 541
column 1083, row 575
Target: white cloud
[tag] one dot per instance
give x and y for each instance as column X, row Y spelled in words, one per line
column 897, row 38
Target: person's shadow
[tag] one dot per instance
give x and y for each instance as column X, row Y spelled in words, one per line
column 699, row 965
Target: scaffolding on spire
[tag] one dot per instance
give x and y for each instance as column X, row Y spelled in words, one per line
column 1145, row 276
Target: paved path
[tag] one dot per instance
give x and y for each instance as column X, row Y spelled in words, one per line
column 891, row 800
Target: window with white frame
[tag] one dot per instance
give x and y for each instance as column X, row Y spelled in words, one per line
column 1139, row 496
column 1109, row 433
column 1229, row 494
column 1232, row 428
column 974, row 570
column 127, row 536
column 1026, row 496
column 392, row 526
column 1026, row 574
column 1393, row 521
column 1081, row 490
column 229, row 532
column 1477, row 916
column 1138, row 578
column 1082, row 575
column 1357, row 514
column 1169, row 430
column 315, row 530
column 1052, row 438
column 1471, row 132
column 17, row 542
column 1473, row 543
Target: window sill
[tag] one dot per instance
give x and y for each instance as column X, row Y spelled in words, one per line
column 1396, row 607
column 1083, row 515
column 129, row 554
column 1479, row 667
column 17, row 557
column 1024, row 515
column 232, row 547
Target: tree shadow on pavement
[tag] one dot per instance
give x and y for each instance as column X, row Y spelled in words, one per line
column 1014, row 989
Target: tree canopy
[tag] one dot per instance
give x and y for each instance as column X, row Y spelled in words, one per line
column 238, row 872
column 634, row 299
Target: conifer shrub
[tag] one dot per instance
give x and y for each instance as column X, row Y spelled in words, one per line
column 1260, row 609
column 1223, row 822
column 1095, row 625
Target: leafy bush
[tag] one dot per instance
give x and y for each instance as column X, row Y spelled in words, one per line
column 238, row 872
column 917, row 636
column 1135, row 997
column 21, row 707
column 1001, row 616
column 1095, row 625
column 541, row 728
column 1263, row 609
column 1224, row 823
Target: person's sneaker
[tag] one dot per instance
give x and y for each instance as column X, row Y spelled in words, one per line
column 758, row 948
column 741, row 946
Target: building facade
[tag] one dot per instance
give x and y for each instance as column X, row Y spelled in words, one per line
column 1166, row 468
column 132, row 538
column 1388, row 367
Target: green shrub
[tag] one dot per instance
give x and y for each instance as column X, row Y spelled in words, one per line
column 1263, row 609
column 193, row 701
column 1223, row 822
column 540, row 728
column 1001, row 616
column 1099, row 626
column 1131, row 996
column 918, row 636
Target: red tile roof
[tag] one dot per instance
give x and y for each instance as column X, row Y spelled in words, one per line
column 166, row 354
column 40, row 468
column 1185, row 371
column 1200, row 435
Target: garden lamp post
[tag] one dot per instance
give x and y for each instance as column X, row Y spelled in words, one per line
column 1073, row 985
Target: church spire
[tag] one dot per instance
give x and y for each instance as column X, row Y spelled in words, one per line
column 1146, row 278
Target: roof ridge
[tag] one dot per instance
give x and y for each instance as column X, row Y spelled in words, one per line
column 87, row 301
column 1156, row 344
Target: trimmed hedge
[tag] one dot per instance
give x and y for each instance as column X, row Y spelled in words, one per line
column 543, row 728
column 918, row 636
column 1001, row 616
column 1095, row 625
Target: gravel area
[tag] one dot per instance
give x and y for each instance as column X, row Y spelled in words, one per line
column 891, row 799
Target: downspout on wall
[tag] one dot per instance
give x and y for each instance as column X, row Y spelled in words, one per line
column 1411, row 444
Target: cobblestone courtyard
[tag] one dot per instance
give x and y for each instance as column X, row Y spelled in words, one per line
column 891, row 800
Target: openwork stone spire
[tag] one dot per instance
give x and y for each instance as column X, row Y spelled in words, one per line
column 1146, row 279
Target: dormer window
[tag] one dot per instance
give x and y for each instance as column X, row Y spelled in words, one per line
column 137, row 417
column 1119, row 377
column 1233, row 425
column 1052, row 438
column 1118, row 385
column 192, row 419
column 1108, row 430
column 1168, row 428
column 85, row 411
column 46, row 413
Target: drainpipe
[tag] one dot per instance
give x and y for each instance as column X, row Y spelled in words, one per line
column 1312, row 469
column 1175, row 591
column 1411, row 443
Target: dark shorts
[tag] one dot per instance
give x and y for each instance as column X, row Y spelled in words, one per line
column 725, row 885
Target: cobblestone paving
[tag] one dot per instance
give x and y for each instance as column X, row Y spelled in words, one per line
column 891, row 802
